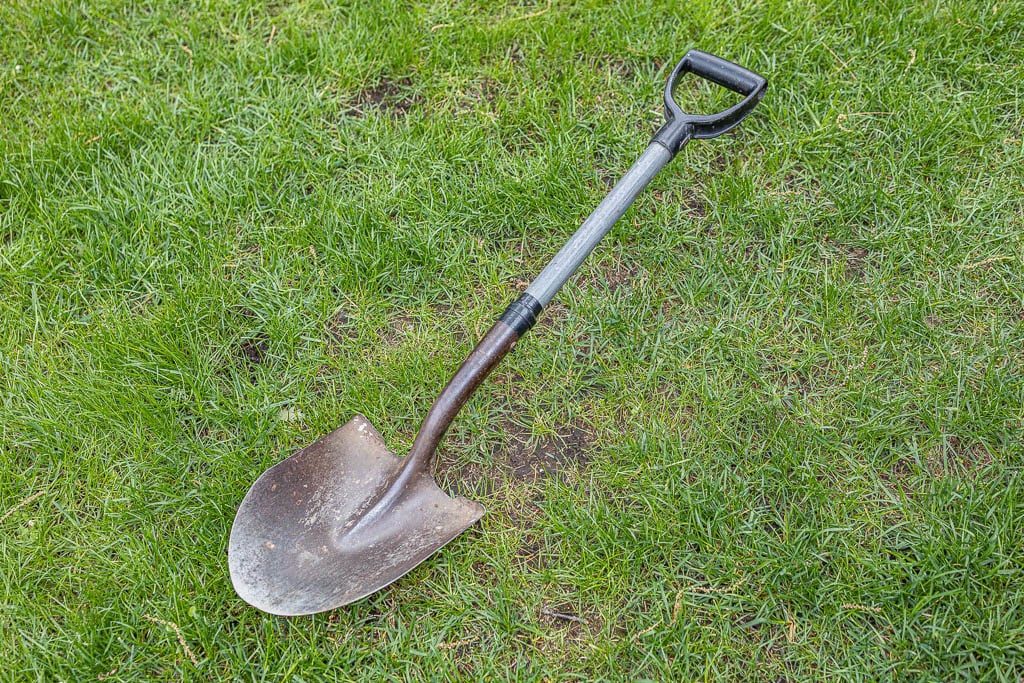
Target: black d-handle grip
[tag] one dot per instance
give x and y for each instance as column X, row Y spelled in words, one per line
column 681, row 127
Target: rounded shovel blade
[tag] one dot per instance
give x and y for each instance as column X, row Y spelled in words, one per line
column 303, row 540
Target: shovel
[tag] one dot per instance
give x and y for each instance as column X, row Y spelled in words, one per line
column 344, row 517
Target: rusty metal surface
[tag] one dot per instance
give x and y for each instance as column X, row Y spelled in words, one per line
column 484, row 357
column 308, row 537
column 344, row 517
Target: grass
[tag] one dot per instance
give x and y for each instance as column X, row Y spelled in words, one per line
column 785, row 398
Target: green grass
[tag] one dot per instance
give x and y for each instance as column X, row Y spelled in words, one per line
column 227, row 227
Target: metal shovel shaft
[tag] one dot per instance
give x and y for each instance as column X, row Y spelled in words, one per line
column 520, row 316
column 585, row 239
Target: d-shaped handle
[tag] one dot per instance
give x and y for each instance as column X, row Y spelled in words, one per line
column 681, row 127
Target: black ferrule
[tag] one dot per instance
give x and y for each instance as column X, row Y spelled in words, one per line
column 674, row 135
column 521, row 314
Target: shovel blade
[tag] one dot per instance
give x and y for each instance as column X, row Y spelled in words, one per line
column 303, row 541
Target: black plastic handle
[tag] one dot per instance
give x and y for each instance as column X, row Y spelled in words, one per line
column 681, row 127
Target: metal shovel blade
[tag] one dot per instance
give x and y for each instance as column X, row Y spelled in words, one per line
column 303, row 541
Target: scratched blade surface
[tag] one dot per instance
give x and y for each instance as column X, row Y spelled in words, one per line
column 300, row 543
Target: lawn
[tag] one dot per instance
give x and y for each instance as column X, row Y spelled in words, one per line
column 772, row 430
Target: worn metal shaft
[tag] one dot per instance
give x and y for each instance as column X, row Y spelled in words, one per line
column 574, row 253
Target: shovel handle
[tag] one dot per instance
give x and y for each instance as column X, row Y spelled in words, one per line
column 520, row 316
column 680, row 127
